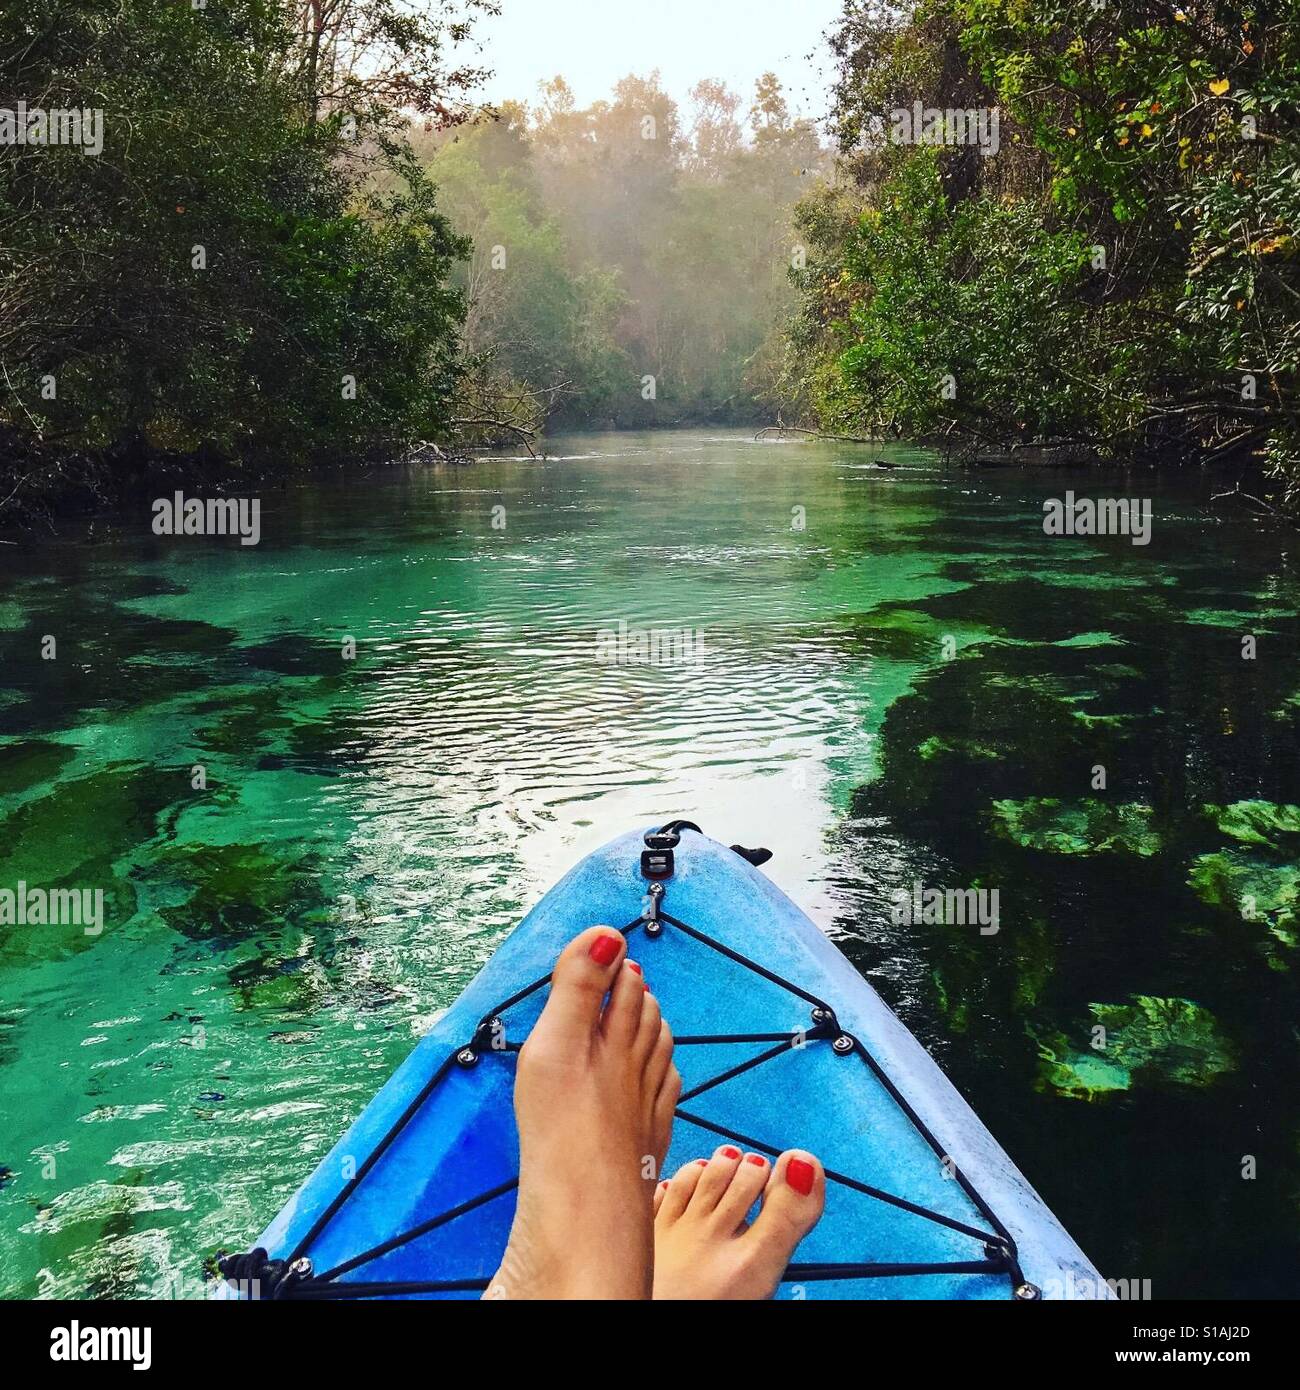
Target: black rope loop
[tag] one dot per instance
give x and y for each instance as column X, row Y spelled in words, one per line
column 254, row 1269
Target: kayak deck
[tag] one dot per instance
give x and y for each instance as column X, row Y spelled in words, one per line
column 780, row 1044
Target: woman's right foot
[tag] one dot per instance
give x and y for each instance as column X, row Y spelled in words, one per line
column 594, row 1098
column 705, row 1250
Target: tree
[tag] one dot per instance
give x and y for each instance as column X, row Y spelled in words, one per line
column 380, row 59
column 536, row 322
column 716, row 137
column 219, row 281
column 1143, row 200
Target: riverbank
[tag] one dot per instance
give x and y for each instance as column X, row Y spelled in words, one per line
column 43, row 491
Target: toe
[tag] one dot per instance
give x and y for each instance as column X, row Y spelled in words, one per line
column 792, row 1201
column 680, row 1190
column 716, row 1178
column 660, row 1190
column 747, row 1183
column 622, row 1018
column 647, row 1035
column 670, row 1088
column 660, row 1054
column 587, row 967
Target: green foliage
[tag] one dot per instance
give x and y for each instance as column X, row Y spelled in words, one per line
column 213, row 152
column 622, row 241
column 1170, row 144
column 544, row 321
column 975, row 292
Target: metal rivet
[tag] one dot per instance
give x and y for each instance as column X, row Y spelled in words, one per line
column 820, row 1015
column 1028, row 1292
column 467, row 1057
column 301, row 1267
column 654, row 928
column 843, row 1044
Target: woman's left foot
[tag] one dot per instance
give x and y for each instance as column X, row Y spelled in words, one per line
column 705, row 1250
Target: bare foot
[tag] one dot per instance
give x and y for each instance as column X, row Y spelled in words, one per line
column 703, row 1248
column 594, row 1099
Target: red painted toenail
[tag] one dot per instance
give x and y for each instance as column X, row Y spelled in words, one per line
column 800, row 1176
column 730, row 1153
column 758, row 1159
column 647, row 988
column 632, row 965
column 703, row 1162
column 665, row 1183
column 604, row 949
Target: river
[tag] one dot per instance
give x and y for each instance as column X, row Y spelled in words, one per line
column 888, row 676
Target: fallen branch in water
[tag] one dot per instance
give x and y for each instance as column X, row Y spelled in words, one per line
column 1258, row 501
column 487, row 421
column 816, row 434
column 512, row 408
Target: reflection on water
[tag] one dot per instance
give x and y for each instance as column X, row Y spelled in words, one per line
column 919, row 686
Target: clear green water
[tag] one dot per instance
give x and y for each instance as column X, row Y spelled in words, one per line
column 371, row 828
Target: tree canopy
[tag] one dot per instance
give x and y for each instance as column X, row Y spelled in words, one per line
column 1119, row 270
column 627, row 240
column 223, row 279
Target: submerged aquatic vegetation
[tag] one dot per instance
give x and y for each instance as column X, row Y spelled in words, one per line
column 290, row 984
column 965, row 724
column 1258, row 822
column 1246, row 884
column 1260, row 883
column 81, row 834
column 125, row 659
column 238, row 890
column 906, row 632
column 27, row 764
column 1092, row 639
column 246, row 717
column 1235, row 619
column 107, row 814
column 936, row 745
column 1169, row 1040
column 1081, row 1075
column 1085, row 827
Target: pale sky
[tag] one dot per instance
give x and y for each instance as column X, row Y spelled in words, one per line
column 592, row 43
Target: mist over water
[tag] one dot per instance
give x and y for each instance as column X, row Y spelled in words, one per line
column 916, row 687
